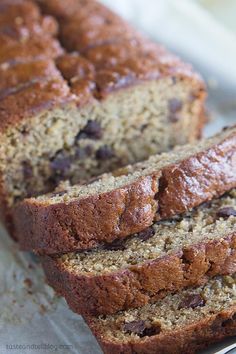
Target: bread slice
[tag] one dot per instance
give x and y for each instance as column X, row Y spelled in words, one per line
column 113, row 207
column 114, row 102
column 170, row 255
column 182, row 323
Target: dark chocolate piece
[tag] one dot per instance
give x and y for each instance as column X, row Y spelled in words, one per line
column 104, row 153
column 146, row 234
column 226, row 212
column 192, row 301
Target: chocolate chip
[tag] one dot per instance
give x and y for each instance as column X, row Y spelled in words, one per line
column 104, row 153
column 136, row 327
column 175, row 106
column 192, row 301
column 174, row 80
column 146, row 234
column 61, row 163
column 92, row 130
column 141, row 328
column 83, row 152
column 117, row 245
column 151, row 331
column 226, row 212
column 228, row 323
column 27, row 170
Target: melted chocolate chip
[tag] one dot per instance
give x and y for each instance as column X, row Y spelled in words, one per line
column 175, row 106
column 151, row 331
column 104, row 153
column 27, row 170
column 192, row 301
column 61, row 163
column 136, row 327
column 83, row 152
column 146, row 234
column 226, row 212
column 141, row 328
column 92, row 130
column 117, row 245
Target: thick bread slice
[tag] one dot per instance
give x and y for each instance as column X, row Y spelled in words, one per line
column 170, row 255
column 113, row 207
column 179, row 324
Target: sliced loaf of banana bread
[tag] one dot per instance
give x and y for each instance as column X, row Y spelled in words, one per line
column 170, row 255
column 96, row 107
column 128, row 201
column 179, row 324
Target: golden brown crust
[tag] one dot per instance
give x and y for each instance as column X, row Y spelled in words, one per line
column 203, row 176
column 14, row 12
column 46, row 25
column 88, row 222
column 113, row 46
column 187, row 340
column 23, row 39
column 32, row 99
column 140, row 284
column 35, row 48
column 85, row 224
column 25, row 74
column 74, row 66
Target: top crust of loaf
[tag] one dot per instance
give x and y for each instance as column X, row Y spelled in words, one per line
column 92, row 30
column 13, row 11
column 112, row 208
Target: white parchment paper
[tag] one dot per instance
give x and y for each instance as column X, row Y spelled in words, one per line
column 32, row 318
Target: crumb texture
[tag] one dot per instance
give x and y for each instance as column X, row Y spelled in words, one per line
column 212, row 221
column 196, row 316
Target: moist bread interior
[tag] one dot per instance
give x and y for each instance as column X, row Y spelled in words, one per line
column 201, row 224
column 171, row 312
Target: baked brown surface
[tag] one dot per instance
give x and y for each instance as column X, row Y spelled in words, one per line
column 78, row 127
column 84, row 217
column 182, row 323
column 170, row 255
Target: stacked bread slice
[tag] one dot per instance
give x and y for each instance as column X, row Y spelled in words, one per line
column 145, row 251
column 170, row 255
column 182, row 323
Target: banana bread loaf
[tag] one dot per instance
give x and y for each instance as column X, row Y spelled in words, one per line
column 129, row 200
column 172, row 254
column 179, row 324
column 108, row 99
